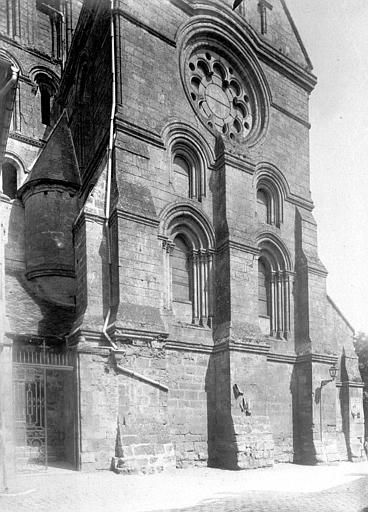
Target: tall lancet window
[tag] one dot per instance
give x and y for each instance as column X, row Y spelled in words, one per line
column 188, row 264
column 274, row 289
column 181, row 271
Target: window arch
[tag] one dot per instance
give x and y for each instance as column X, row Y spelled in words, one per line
column 181, row 270
column 269, row 202
column 187, row 171
column 188, row 260
column 274, row 286
column 263, row 206
column 46, row 91
column 9, row 178
column 264, row 304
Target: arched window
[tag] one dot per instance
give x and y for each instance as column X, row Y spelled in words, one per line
column 274, row 284
column 182, row 176
column 9, row 179
column 263, row 206
column 181, row 275
column 263, row 290
column 187, row 171
column 188, row 262
column 45, row 104
column 269, row 202
column 46, row 91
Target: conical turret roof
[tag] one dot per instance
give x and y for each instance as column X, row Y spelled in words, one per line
column 57, row 161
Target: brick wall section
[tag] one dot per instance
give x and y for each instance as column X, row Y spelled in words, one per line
column 98, row 411
column 124, row 419
column 190, row 383
column 279, row 408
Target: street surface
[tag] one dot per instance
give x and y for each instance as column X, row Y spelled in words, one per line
column 284, row 488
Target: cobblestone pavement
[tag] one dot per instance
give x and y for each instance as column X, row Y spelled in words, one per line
column 342, row 488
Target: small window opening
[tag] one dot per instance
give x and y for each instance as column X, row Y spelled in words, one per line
column 9, row 180
column 181, row 278
column 45, row 105
column 263, row 206
column 263, row 292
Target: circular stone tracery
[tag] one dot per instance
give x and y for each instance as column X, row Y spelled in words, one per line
column 219, row 94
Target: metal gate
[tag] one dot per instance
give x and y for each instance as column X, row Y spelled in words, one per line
column 31, row 364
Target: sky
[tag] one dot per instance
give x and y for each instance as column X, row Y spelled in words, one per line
column 335, row 34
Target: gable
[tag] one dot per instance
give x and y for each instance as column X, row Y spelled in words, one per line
column 276, row 27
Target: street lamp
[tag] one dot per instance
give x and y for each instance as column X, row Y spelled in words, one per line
column 333, row 372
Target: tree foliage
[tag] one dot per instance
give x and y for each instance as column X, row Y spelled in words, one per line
column 361, row 349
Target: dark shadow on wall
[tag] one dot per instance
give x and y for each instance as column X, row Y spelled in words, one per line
column 344, row 405
column 28, row 311
column 222, row 449
column 302, row 407
column 300, row 290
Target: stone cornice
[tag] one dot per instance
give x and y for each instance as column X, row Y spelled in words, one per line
column 29, row 188
column 350, row 384
column 232, row 244
column 143, row 134
column 318, row 271
column 135, row 217
column 281, row 358
column 236, row 161
column 123, row 334
column 84, row 217
column 64, row 272
column 291, row 115
column 242, row 346
column 188, row 347
column 27, row 140
column 144, row 26
column 316, row 358
column 307, row 204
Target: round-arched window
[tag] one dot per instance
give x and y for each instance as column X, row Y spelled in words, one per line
column 9, row 179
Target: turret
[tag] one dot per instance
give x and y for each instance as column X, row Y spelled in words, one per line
column 50, row 198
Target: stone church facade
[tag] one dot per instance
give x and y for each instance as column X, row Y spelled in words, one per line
column 162, row 299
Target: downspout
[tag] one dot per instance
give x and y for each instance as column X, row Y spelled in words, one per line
column 109, row 174
column 3, row 471
column 113, row 346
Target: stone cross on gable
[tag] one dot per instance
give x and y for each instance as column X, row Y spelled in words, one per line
column 263, row 5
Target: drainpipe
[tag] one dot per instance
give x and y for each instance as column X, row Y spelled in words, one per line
column 113, row 346
column 3, row 471
column 109, row 174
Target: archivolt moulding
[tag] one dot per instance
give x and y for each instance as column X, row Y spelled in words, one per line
column 223, row 79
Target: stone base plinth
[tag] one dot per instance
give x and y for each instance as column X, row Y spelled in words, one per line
column 144, row 458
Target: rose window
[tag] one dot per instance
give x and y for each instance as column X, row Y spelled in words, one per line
column 220, row 95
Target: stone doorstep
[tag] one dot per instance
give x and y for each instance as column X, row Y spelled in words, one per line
column 143, row 458
column 142, row 464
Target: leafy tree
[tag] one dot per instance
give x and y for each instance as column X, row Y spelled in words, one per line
column 361, row 348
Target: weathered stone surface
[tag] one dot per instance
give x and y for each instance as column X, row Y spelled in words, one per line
column 174, row 364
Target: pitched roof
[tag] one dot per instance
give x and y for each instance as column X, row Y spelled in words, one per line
column 57, row 160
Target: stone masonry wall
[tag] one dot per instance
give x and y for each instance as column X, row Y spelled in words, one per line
column 189, row 407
